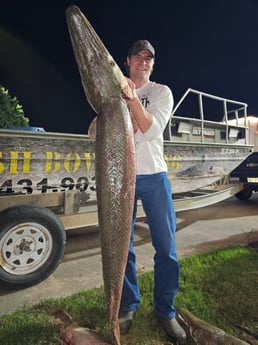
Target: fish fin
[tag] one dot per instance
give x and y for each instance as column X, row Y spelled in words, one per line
column 116, row 335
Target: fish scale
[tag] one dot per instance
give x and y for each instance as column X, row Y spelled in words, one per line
column 115, row 178
column 103, row 83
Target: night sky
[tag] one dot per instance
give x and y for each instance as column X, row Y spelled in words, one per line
column 210, row 46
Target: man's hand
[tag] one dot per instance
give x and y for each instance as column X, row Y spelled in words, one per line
column 92, row 129
column 128, row 91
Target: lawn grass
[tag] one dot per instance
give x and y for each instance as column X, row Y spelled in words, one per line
column 220, row 287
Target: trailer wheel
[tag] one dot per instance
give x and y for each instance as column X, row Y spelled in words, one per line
column 244, row 194
column 32, row 244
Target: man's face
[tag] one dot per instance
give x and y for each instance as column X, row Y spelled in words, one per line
column 140, row 65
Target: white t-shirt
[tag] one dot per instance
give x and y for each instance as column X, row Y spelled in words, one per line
column 157, row 99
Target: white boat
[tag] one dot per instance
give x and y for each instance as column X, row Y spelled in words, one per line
column 198, row 152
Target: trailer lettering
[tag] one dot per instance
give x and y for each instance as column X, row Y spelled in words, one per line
column 6, row 186
column 42, row 185
column 72, row 161
column 1, row 163
column 14, row 155
column 52, row 162
column 82, row 183
column 26, row 162
column 67, row 162
column 89, row 157
column 27, row 185
column 229, row 151
column 93, row 188
column 67, row 183
column 16, row 159
column 14, row 162
column 172, row 161
column 207, row 132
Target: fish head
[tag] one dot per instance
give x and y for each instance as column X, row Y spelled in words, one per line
column 185, row 317
column 101, row 77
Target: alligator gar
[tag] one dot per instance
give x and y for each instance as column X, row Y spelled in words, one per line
column 205, row 333
column 104, row 86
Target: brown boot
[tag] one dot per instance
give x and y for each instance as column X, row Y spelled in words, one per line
column 125, row 321
column 173, row 330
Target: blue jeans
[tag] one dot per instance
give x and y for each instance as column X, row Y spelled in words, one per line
column 154, row 191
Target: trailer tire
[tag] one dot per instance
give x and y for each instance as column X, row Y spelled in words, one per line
column 32, row 244
column 244, row 194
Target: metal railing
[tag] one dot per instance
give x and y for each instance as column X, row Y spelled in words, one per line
column 231, row 110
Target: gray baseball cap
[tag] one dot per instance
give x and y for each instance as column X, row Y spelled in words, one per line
column 141, row 45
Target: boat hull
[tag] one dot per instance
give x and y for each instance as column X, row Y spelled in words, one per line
column 45, row 162
column 192, row 166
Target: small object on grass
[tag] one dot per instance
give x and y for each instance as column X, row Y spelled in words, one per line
column 80, row 336
column 73, row 334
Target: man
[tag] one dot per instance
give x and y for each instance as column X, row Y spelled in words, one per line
column 150, row 109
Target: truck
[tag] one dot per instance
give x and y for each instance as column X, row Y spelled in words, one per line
column 247, row 171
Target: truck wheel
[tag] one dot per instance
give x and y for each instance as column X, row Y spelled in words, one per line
column 244, row 194
column 32, row 244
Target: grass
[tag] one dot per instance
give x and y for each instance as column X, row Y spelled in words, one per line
column 220, row 287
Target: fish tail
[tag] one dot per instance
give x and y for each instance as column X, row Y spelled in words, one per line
column 116, row 334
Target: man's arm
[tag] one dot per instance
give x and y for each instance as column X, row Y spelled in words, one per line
column 139, row 114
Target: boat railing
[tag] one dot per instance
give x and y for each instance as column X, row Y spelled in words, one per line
column 203, row 117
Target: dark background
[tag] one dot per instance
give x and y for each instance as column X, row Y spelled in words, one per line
column 211, row 46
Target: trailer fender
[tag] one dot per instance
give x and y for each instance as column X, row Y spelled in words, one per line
column 245, row 193
column 32, row 244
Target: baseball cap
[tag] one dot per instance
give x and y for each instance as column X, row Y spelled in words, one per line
column 141, row 45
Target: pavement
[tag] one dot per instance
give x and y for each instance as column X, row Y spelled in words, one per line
column 226, row 224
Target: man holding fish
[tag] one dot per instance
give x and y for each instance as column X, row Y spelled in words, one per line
column 150, row 109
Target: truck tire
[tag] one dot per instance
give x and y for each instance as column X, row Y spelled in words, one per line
column 32, row 244
column 244, row 194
